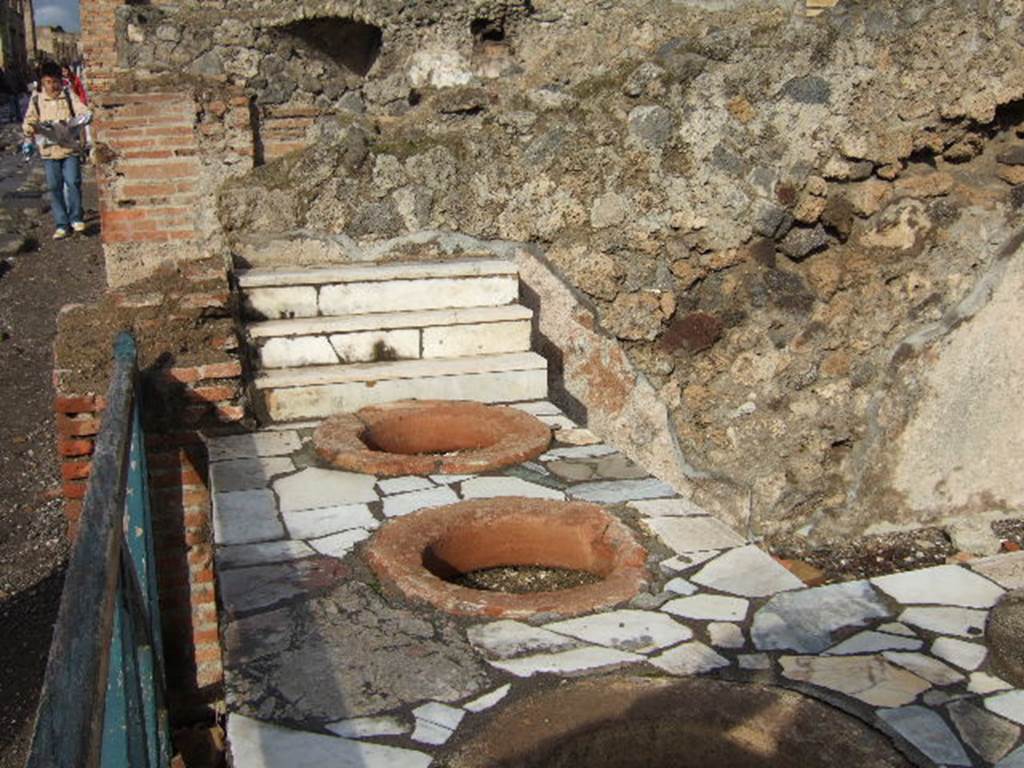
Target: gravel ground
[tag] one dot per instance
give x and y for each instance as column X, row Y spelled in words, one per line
column 34, row 284
column 869, row 556
column 523, row 579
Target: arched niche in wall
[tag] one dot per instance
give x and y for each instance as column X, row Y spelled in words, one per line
column 354, row 45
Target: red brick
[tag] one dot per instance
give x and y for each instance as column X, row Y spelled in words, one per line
column 73, row 490
column 81, row 427
column 195, row 537
column 75, row 470
column 79, row 404
column 184, row 375
column 206, row 637
column 212, row 394
column 67, row 447
column 230, row 413
column 222, row 370
column 207, row 653
column 200, row 556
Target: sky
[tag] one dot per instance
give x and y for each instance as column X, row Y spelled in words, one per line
column 51, row 13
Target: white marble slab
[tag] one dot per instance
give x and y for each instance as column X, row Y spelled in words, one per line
column 726, row 635
column 982, row 682
column 805, row 620
column 708, row 607
column 370, row 346
column 278, row 303
column 376, row 321
column 1013, row 760
column 246, row 474
column 895, row 628
column 627, row 630
column 870, row 679
column 450, row 479
column 680, row 586
column 689, row 560
column 618, row 491
column 674, row 507
column 405, row 484
column 693, row 534
column 413, row 372
column 689, row 659
column 943, row 584
column 479, row 339
column 927, row 731
column 932, row 670
column 747, row 571
column 506, row 639
column 256, row 744
column 319, row 400
column 1006, row 570
column 963, row 622
column 260, row 554
column 245, row 517
column 418, row 294
column 376, row 272
column 439, row 714
column 317, row 523
column 872, row 642
column 253, row 444
column 283, row 352
column 430, row 733
column 567, row 662
column 369, row 727
column 488, row 700
column 405, row 503
column 963, row 654
column 492, row 487
column 314, row 488
column 1009, row 705
column 339, row 544
column 578, row 452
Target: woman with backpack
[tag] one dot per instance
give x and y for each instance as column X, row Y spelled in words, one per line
column 54, row 118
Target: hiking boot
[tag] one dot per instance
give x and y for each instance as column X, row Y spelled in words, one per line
column 78, row 226
column 60, row 233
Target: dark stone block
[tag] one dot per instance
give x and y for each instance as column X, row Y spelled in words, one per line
column 693, row 332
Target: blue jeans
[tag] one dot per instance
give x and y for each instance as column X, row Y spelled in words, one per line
column 64, row 180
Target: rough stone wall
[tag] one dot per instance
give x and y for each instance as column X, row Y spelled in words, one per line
column 783, row 221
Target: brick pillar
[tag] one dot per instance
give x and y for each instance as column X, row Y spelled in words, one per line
column 99, row 43
column 149, row 179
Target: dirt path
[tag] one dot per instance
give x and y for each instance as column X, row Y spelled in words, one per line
column 34, row 284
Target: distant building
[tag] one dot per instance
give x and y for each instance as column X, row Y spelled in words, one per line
column 57, row 44
column 17, row 43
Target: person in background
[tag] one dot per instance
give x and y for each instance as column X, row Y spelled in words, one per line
column 74, row 83
column 53, row 106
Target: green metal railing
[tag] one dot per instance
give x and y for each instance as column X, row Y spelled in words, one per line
column 102, row 703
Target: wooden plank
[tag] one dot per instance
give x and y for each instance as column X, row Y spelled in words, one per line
column 70, row 718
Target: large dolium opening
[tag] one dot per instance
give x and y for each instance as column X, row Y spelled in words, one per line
column 634, row 722
column 427, row 556
column 430, row 436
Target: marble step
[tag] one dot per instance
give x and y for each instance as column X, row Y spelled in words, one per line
column 377, row 288
column 391, row 336
column 319, row 391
